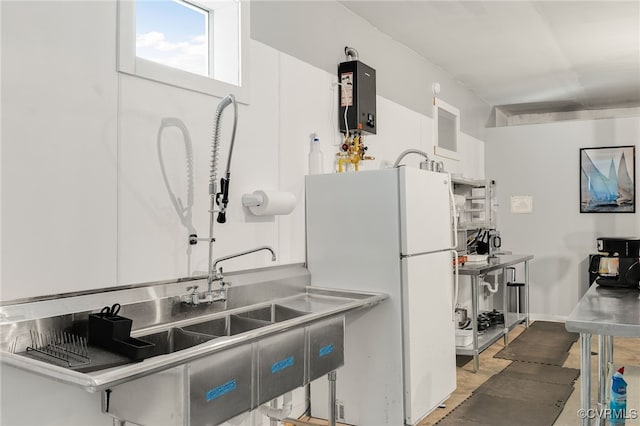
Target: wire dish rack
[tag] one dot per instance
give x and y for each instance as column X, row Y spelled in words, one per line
column 61, row 345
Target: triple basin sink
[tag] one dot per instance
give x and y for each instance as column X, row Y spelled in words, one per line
column 278, row 349
column 179, row 338
column 209, row 363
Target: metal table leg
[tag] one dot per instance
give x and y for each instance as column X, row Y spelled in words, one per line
column 602, row 375
column 526, row 292
column 504, row 306
column 585, row 377
column 332, row 397
column 474, row 322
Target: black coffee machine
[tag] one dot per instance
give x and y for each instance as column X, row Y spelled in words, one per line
column 616, row 264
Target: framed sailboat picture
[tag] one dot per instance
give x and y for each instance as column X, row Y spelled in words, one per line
column 607, row 179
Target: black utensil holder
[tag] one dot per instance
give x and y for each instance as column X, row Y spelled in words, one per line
column 106, row 327
column 113, row 332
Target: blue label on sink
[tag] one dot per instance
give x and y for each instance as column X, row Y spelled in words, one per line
column 217, row 392
column 281, row 365
column 326, row 350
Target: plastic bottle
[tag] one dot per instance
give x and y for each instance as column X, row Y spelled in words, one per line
column 618, row 402
column 316, row 161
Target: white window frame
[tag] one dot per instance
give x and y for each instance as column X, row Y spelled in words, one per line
column 439, row 104
column 129, row 63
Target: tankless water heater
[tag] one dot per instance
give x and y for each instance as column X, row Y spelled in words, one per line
column 357, row 97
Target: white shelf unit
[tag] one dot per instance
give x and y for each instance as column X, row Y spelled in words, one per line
column 479, row 210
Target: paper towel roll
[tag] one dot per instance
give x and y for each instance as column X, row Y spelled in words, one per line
column 274, row 203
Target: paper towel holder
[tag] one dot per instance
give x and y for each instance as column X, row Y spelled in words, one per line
column 269, row 203
column 252, row 200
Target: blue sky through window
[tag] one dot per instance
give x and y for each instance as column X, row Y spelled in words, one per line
column 172, row 33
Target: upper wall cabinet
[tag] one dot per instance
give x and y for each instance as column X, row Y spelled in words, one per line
column 446, row 129
column 199, row 45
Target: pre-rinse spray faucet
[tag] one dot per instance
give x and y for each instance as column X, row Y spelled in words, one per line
column 219, row 198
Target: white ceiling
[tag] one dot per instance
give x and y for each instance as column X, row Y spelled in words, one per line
column 525, row 56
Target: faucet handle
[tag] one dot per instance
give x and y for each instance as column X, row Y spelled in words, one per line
column 218, row 274
column 193, row 288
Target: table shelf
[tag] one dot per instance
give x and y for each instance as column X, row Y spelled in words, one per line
column 493, row 333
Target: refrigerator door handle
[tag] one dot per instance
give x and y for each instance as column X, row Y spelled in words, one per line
column 456, row 285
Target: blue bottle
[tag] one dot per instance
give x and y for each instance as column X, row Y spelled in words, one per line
column 618, row 401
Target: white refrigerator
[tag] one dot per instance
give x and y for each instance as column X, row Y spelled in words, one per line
column 386, row 231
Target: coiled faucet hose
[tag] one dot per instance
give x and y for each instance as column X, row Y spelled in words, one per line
column 215, row 140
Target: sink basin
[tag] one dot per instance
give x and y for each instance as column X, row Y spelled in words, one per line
column 244, row 321
column 216, row 327
column 273, row 313
column 282, row 313
column 239, row 324
column 175, row 339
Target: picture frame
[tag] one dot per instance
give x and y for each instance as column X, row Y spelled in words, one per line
column 608, row 179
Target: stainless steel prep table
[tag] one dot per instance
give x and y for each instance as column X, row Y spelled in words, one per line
column 476, row 271
column 607, row 312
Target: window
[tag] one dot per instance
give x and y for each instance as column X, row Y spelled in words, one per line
column 446, row 129
column 173, row 33
column 199, row 45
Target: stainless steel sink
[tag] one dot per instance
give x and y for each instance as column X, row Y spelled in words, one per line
column 273, row 313
column 239, row 324
column 274, row 333
column 229, row 326
column 261, row 303
column 215, row 327
column 282, row 313
column 244, row 321
column 175, row 339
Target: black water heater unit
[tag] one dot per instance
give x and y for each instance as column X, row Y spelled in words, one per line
column 357, row 97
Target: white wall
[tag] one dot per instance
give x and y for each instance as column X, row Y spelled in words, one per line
column 59, row 99
column 543, row 161
column 84, row 205
column 323, row 28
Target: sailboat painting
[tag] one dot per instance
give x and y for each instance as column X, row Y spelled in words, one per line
column 607, row 180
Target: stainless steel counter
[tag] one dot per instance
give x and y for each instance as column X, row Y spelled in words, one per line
column 475, row 271
column 493, row 264
column 607, row 312
column 157, row 306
